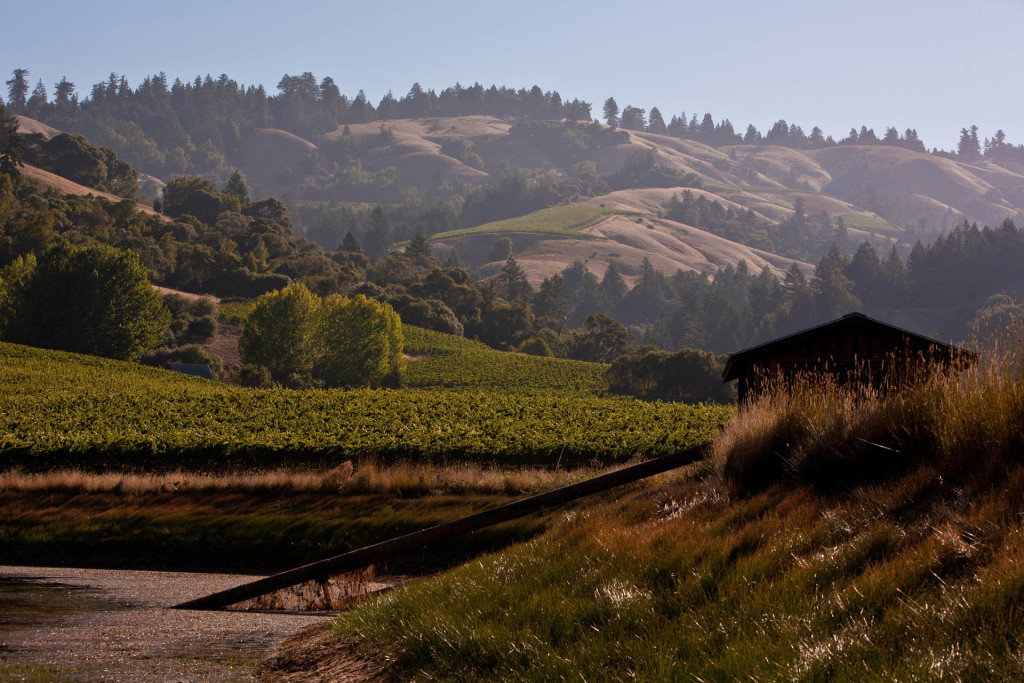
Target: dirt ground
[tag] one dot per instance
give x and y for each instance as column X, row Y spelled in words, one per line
column 61, row 624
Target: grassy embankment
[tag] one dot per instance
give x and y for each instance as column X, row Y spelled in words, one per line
column 834, row 536
column 291, row 476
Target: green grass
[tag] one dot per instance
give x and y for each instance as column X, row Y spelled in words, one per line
column 687, row 584
column 865, row 222
column 443, row 361
column 565, row 221
column 65, row 410
column 226, row 530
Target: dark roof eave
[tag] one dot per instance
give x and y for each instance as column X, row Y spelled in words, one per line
column 729, row 373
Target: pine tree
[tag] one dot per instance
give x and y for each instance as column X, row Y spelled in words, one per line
column 12, row 143
column 512, row 282
column 236, row 187
column 611, row 112
column 656, row 123
column 349, row 244
column 418, row 249
column 969, row 149
column 17, row 90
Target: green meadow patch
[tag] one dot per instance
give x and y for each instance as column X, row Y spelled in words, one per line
column 566, row 221
column 866, row 222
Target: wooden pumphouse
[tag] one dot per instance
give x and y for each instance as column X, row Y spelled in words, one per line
column 854, row 348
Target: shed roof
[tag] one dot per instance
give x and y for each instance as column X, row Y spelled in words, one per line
column 733, row 365
column 194, row 369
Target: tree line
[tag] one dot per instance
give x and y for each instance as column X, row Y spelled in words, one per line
column 165, row 127
column 722, row 133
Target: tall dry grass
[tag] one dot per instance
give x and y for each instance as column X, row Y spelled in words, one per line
column 967, row 423
column 364, row 478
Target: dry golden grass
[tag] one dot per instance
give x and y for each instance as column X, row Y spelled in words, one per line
column 966, row 424
column 351, row 479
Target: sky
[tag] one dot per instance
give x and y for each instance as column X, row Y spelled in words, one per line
column 933, row 65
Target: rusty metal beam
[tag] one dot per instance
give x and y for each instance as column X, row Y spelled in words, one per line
column 378, row 552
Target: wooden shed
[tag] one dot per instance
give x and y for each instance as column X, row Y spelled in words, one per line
column 852, row 348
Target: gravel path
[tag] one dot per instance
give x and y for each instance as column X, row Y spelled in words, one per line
column 113, row 625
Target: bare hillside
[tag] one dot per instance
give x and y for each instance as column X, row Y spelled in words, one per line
column 880, row 192
column 65, row 186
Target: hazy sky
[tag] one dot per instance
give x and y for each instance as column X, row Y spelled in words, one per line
column 934, row 65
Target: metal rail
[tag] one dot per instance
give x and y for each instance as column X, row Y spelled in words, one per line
column 371, row 554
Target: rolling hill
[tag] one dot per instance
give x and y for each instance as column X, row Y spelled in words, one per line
column 883, row 194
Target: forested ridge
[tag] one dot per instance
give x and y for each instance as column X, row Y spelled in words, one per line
column 166, row 127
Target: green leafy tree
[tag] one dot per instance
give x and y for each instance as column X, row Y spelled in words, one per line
column 279, row 334
column 95, row 300
column 600, row 339
column 293, row 333
column 361, row 343
column 194, row 196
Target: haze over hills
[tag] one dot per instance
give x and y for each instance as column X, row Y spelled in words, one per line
column 717, row 238
column 881, row 193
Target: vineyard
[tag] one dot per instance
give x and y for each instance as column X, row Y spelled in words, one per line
column 443, row 361
column 65, row 410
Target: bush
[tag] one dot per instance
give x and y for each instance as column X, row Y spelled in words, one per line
column 688, row 375
column 255, row 376
column 202, row 328
column 535, row 346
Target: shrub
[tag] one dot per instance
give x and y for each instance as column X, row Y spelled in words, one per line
column 202, row 328
column 255, row 376
column 535, row 346
column 687, row 375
